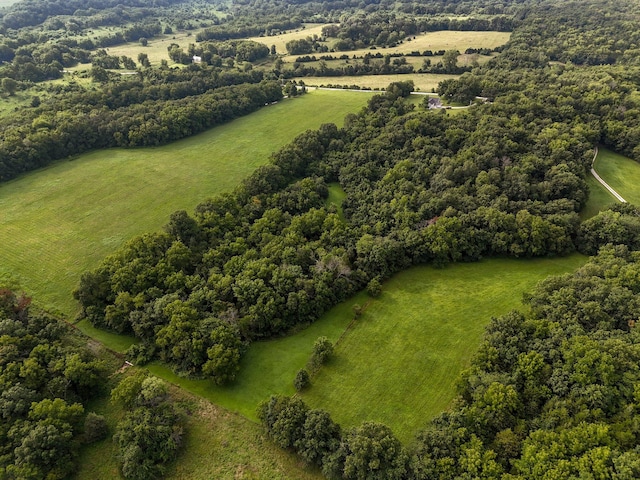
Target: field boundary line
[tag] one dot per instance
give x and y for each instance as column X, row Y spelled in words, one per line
column 602, row 182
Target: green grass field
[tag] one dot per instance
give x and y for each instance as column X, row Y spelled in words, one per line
column 621, row 173
column 399, row 363
column 63, row 220
column 225, row 446
column 599, row 199
column 428, row 319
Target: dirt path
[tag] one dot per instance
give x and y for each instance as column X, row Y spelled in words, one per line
column 604, row 184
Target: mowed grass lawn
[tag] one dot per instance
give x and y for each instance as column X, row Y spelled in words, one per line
column 63, row 220
column 621, row 173
column 399, row 363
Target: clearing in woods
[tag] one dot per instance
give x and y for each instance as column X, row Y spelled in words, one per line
column 399, row 362
column 425, row 82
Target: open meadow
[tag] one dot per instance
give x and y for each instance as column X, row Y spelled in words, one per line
column 400, row 361
column 280, row 41
column 434, row 41
column 156, row 48
column 218, row 444
column 599, row 199
column 63, row 220
column 621, row 173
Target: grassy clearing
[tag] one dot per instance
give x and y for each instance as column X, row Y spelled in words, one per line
column 99, row 460
column 399, row 363
column 621, row 173
column 425, row 321
column 218, row 444
column 336, row 197
column 156, row 49
column 9, row 104
column 423, row 81
column 113, row 341
column 225, row 446
column 63, row 220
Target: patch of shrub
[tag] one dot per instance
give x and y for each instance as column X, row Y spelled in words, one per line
column 374, row 287
column 322, row 351
column 95, row 428
column 302, row 380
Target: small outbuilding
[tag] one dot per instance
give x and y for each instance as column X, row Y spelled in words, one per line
column 435, row 102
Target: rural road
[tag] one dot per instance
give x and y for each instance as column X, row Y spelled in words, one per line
column 604, row 184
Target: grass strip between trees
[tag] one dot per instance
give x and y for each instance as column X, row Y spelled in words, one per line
column 621, row 173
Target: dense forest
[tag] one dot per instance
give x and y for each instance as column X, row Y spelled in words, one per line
column 551, row 393
column 46, row 379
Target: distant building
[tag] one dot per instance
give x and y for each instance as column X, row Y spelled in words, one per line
column 435, row 102
column 197, row 59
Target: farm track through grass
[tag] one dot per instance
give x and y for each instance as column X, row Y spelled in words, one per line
column 621, row 173
column 63, row 220
column 400, row 361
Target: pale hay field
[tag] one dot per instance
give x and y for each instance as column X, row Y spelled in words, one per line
column 422, row 81
column 157, row 48
column 434, row 41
